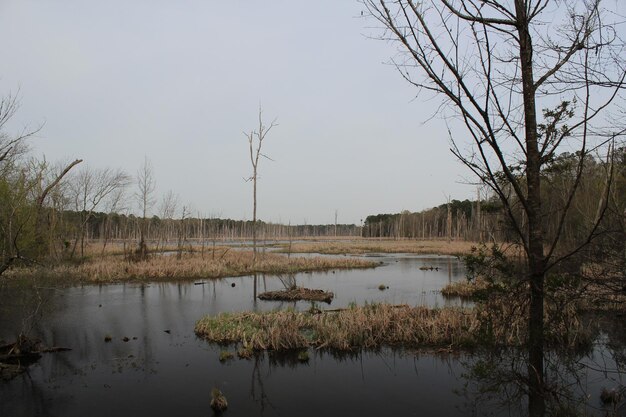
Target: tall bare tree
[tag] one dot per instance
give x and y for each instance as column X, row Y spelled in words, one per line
column 255, row 141
column 495, row 64
column 89, row 190
column 167, row 210
column 146, row 185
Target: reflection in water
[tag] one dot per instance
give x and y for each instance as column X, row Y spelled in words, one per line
column 164, row 370
column 576, row 382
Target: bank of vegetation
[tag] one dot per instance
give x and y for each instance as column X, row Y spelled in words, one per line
column 374, row 326
column 365, row 246
column 180, row 266
column 498, row 317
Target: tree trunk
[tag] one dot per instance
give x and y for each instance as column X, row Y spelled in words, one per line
column 254, row 219
column 536, row 260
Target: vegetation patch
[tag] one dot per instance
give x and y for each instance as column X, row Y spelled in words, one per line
column 187, row 266
column 363, row 246
column 218, row 401
column 465, row 288
column 225, row 356
column 370, row 326
column 298, row 293
column 376, row 325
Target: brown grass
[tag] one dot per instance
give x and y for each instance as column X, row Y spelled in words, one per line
column 361, row 246
column 298, row 293
column 377, row 325
column 94, row 248
column 360, row 327
column 592, row 294
column 464, row 288
column 189, row 266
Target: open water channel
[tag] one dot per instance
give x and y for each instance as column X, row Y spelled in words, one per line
column 165, row 370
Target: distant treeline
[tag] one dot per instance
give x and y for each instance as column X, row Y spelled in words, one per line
column 114, row 226
column 599, row 205
column 48, row 215
column 458, row 220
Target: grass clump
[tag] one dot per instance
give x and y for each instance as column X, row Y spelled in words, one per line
column 245, row 352
column 370, row 326
column 376, row 325
column 465, row 288
column 225, row 356
column 218, row 401
column 298, row 293
column 303, row 356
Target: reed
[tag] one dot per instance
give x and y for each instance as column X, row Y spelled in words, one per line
column 376, row 325
column 370, row 326
column 218, row 401
column 298, row 293
column 361, row 246
column 188, row 266
column 464, row 288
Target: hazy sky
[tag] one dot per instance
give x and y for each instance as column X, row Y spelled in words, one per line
column 179, row 82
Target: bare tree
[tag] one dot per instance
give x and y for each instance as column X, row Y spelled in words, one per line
column 89, row 190
column 146, row 184
column 114, row 204
column 495, row 63
column 167, row 210
column 12, row 146
column 255, row 141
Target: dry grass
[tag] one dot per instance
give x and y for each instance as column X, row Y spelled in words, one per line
column 371, row 326
column 361, row 246
column 218, row 401
column 376, row 325
column 592, row 294
column 298, row 293
column 96, row 248
column 189, row 266
column 464, row 288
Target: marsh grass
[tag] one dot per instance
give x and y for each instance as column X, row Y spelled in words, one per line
column 582, row 295
column 303, row 356
column 187, row 266
column 218, row 401
column 362, row 246
column 376, row 325
column 464, row 288
column 371, row 326
column 298, row 293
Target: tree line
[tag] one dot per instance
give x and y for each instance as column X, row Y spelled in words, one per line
column 595, row 206
column 456, row 220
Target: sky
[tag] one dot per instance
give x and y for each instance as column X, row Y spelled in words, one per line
column 179, row 82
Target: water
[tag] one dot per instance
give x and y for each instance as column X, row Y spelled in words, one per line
column 164, row 370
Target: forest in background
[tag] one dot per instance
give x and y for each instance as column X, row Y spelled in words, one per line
column 487, row 221
column 86, row 205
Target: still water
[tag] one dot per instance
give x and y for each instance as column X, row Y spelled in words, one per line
column 164, row 370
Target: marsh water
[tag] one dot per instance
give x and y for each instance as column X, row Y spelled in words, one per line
column 163, row 369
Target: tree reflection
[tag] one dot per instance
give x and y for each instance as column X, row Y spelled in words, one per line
column 582, row 382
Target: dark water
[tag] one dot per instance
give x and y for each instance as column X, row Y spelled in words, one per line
column 159, row 373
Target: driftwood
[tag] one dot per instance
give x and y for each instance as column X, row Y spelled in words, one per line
column 298, row 293
column 16, row 357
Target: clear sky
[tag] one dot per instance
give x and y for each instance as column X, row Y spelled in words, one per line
column 180, row 81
